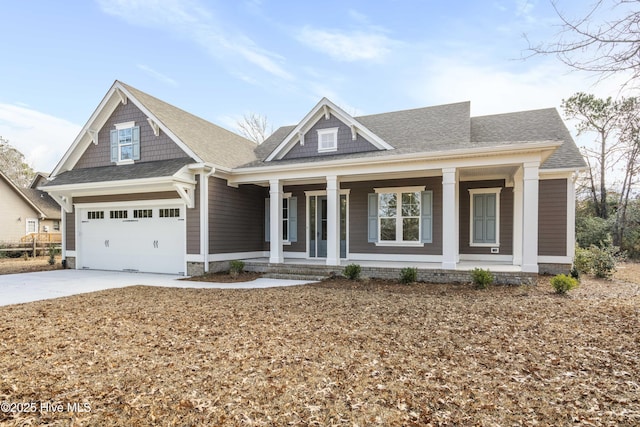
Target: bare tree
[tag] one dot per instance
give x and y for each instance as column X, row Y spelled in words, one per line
column 599, row 116
column 13, row 164
column 255, row 127
column 630, row 140
column 597, row 43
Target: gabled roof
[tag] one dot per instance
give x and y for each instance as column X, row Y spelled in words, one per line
column 449, row 127
column 201, row 140
column 40, row 201
column 324, row 108
column 210, row 142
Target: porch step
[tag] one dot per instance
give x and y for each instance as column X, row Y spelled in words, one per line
column 288, row 276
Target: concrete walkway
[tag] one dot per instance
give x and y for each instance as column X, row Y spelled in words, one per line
column 28, row 287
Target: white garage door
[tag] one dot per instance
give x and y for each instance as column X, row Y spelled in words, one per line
column 145, row 238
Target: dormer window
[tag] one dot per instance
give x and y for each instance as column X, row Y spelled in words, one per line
column 125, row 143
column 327, row 140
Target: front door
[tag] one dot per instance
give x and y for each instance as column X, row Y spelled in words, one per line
column 318, row 226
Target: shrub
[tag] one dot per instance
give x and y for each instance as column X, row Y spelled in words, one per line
column 562, row 283
column 53, row 251
column 574, row 273
column 481, row 278
column 352, row 271
column 582, row 261
column 603, row 261
column 236, row 267
column 408, row 275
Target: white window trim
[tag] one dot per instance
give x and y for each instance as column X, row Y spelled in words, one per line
column 287, row 197
column 472, row 192
column 328, row 131
column 398, row 191
column 35, row 228
column 119, row 127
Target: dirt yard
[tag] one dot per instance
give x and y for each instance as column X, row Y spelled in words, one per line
column 20, row 265
column 335, row 353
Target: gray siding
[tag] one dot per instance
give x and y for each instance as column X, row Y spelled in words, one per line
column 70, row 231
column 193, row 222
column 236, row 217
column 506, row 217
column 152, row 148
column 552, row 217
column 345, row 142
column 358, row 235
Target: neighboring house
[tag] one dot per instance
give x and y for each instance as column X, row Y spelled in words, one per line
column 26, row 211
column 149, row 187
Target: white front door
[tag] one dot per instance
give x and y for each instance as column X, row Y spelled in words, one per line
column 145, row 238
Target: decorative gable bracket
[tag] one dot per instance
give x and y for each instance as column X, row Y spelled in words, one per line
column 63, row 201
column 123, row 97
column 187, row 194
column 354, row 132
column 301, row 136
column 327, row 114
column 93, row 134
column 154, row 126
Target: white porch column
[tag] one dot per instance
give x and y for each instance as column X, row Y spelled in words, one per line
column 517, row 216
column 333, row 221
column 530, row 218
column 276, row 255
column 450, row 238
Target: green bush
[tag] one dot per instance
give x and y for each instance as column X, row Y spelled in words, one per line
column 352, row 271
column 582, row 260
column 603, row 261
column 562, row 283
column 481, row 278
column 53, row 251
column 236, row 267
column 408, row 275
column 574, row 273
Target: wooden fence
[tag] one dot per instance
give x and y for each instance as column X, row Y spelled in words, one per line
column 33, row 244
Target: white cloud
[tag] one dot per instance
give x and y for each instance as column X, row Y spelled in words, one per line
column 157, row 75
column 347, row 46
column 42, row 138
column 494, row 90
column 190, row 19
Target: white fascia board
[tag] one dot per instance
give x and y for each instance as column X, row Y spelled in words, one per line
column 558, row 173
column 312, row 117
column 461, row 158
column 119, row 187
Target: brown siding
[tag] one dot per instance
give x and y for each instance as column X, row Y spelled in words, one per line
column 193, row 222
column 358, row 235
column 506, row 217
column 127, row 197
column 236, row 217
column 345, row 142
column 552, row 217
column 152, row 148
column 70, row 238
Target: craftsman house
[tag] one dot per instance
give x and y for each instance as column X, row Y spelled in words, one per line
column 149, row 187
column 27, row 212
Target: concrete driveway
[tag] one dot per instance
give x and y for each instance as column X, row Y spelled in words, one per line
column 28, row 287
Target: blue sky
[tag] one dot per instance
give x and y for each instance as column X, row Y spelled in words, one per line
column 222, row 59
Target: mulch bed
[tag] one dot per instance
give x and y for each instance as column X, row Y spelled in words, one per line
column 225, row 277
column 333, row 353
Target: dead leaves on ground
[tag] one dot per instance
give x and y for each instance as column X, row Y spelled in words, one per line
column 336, row 353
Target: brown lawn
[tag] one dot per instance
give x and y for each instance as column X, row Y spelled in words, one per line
column 20, row 265
column 335, row 353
